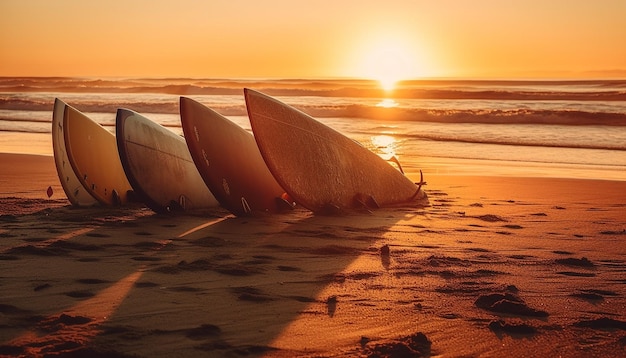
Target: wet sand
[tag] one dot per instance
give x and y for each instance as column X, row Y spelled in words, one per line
column 495, row 266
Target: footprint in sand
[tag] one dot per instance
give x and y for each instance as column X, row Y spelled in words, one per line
column 582, row 262
column 593, row 296
column 507, row 303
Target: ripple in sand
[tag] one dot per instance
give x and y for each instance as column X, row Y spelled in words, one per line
column 209, row 241
column 576, row 274
column 603, row 323
column 489, row 218
column 500, row 326
column 79, row 294
column 251, row 294
column 288, row 268
column 582, row 262
column 97, row 234
column 91, row 281
column 203, row 332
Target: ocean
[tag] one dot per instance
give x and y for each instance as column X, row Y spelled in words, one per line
column 551, row 128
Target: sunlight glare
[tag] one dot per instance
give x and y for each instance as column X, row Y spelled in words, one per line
column 388, row 61
column 384, row 145
column 387, row 103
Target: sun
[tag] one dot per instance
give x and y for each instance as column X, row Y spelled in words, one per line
column 389, row 60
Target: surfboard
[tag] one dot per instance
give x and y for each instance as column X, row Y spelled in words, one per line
column 229, row 161
column 92, row 153
column 158, row 165
column 73, row 188
column 320, row 168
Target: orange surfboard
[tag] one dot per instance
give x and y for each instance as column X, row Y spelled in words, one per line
column 320, row 168
column 158, row 165
column 73, row 188
column 92, row 152
column 229, row 161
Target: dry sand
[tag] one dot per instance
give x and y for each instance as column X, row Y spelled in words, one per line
column 494, row 267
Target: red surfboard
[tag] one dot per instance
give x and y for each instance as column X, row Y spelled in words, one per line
column 229, row 161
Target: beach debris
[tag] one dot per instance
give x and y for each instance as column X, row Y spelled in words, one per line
column 331, row 304
column 384, row 251
column 56, row 323
column 384, row 256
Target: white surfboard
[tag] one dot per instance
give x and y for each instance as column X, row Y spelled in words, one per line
column 158, row 165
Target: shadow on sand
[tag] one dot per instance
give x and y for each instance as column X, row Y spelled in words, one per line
column 127, row 282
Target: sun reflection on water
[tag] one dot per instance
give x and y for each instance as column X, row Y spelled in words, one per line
column 384, row 145
column 387, row 103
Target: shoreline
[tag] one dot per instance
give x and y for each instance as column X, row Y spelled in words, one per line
column 41, row 144
column 491, row 263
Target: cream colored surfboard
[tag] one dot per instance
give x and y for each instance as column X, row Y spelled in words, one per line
column 74, row 189
column 320, row 168
column 158, row 165
column 92, row 152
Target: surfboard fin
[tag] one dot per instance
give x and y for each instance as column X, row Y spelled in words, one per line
column 283, row 204
column 117, row 201
column 395, row 160
column 419, row 186
column 365, row 202
column 131, row 197
column 330, row 209
column 174, row 207
column 183, row 202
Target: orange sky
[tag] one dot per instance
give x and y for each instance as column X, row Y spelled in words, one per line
column 322, row 38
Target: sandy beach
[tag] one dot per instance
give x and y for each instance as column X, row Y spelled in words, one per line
column 495, row 266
